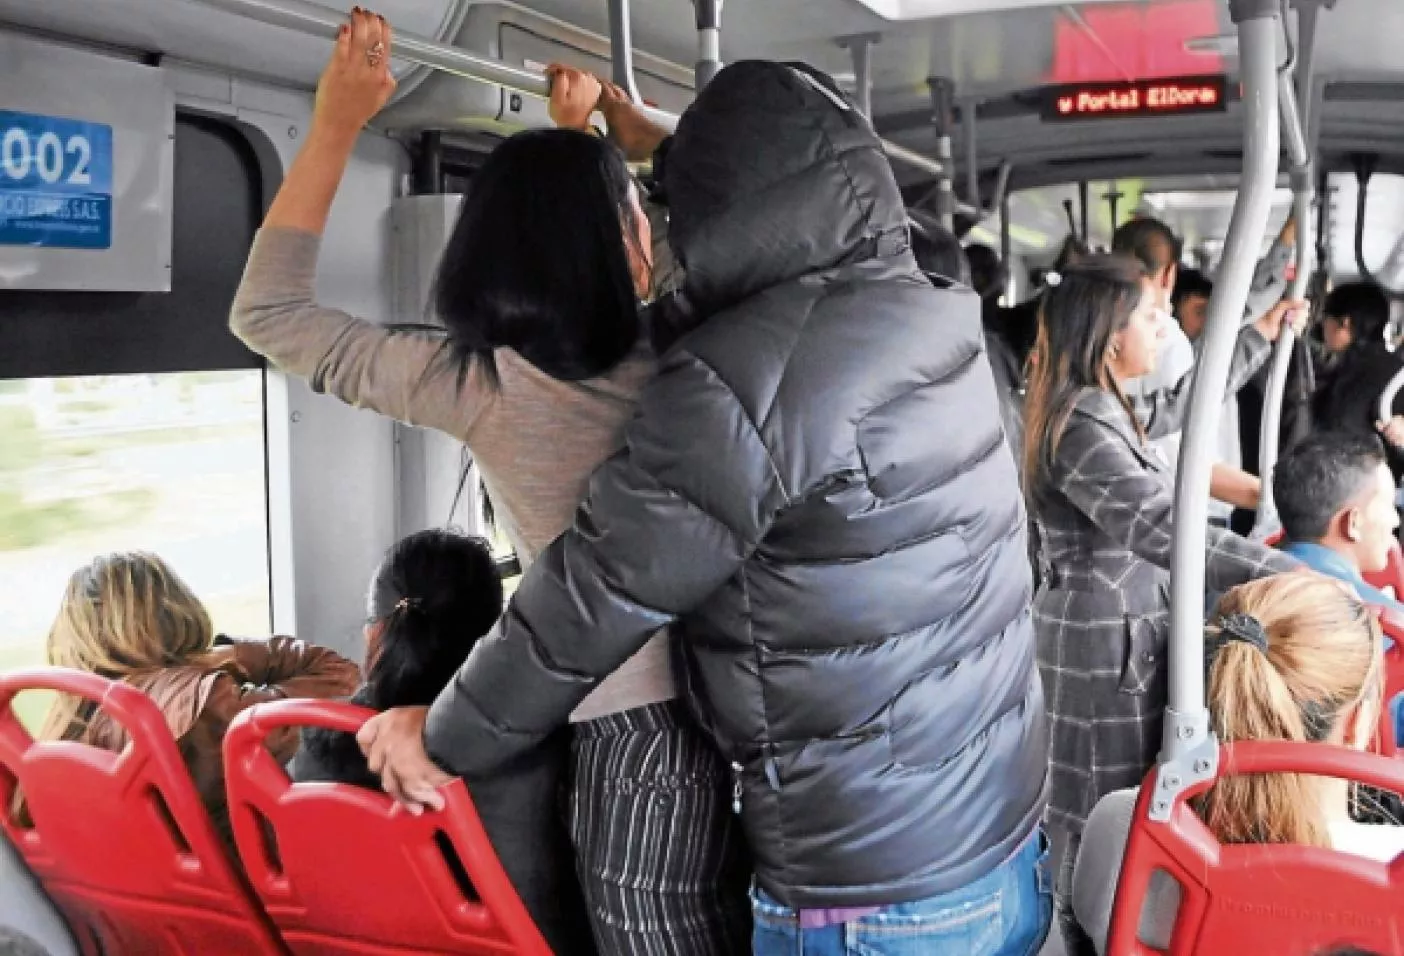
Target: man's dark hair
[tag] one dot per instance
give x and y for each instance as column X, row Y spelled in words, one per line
column 1319, row 477
column 1149, row 241
column 1189, row 283
column 1365, row 304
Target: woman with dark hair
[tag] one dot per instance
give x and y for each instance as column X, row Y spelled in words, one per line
column 434, row 595
column 1103, row 504
column 539, row 370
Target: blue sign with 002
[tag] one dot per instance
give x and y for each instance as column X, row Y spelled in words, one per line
column 55, row 182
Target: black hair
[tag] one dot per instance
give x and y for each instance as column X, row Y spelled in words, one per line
column 539, row 259
column 1092, row 301
column 938, row 251
column 1319, row 477
column 1189, row 283
column 434, row 595
column 1149, row 241
column 1365, row 304
column 986, row 272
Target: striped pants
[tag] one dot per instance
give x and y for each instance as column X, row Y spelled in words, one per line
column 661, row 858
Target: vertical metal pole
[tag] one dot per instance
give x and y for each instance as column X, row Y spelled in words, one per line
column 1006, row 252
column 1294, row 124
column 621, row 49
column 861, row 49
column 428, row 168
column 1186, row 717
column 1084, row 199
column 942, row 117
column 709, row 61
column 969, row 120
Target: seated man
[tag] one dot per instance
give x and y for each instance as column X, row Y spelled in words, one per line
column 1335, row 497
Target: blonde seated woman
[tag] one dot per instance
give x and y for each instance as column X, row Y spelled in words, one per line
column 128, row 617
column 1294, row 657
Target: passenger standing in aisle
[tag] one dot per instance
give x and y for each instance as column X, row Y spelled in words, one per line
column 541, row 366
column 1151, row 243
column 1103, row 504
column 817, row 490
column 1358, row 366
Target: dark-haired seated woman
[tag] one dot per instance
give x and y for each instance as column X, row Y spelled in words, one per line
column 433, row 596
column 537, row 371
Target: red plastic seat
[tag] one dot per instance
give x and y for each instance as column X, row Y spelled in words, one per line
column 121, row 842
column 1393, row 574
column 345, row 871
column 1259, row 898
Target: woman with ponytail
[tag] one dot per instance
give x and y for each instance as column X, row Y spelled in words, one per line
column 434, row 595
column 1299, row 658
column 1294, row 657
column 1102, row 504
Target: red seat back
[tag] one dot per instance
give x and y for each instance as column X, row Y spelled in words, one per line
column 121, row 842
column 345, row 871
column 1393, row 574
column 1258, row 898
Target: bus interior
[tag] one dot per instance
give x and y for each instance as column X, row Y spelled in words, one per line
column 130, row 417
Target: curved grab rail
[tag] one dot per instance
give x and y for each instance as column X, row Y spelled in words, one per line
column 1387, row 397
column 1187, row 737
column 1270, row 430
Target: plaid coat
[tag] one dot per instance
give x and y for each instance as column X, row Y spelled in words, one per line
column 1102, row 613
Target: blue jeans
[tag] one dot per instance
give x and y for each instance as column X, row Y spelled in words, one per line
column 1005, row 913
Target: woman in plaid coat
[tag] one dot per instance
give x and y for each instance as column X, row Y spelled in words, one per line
column 1102, row 502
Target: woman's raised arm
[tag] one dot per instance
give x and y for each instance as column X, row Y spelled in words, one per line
column 411, row 376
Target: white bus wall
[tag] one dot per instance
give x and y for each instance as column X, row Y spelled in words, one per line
column 332, row 469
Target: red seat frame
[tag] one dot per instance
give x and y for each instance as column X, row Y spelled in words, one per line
column 1392, row 576
column 1258, row 898
column 345, row 871
column 121, row 841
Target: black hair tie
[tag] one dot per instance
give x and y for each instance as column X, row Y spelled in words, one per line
column 1244, row 628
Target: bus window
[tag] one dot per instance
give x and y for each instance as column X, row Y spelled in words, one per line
column 170, row 463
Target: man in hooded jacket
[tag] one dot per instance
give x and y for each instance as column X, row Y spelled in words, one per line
column 817, row 495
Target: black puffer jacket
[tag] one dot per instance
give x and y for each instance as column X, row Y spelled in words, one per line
column 817, row 489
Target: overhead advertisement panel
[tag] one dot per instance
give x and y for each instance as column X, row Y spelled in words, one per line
column 1142, row 98
column 86, row 165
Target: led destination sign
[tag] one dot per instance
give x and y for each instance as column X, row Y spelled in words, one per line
column 1165, row 97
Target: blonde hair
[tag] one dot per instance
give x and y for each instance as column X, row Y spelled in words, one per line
column 123, row 614
column 1323, row 659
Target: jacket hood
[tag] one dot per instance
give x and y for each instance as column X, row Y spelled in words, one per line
column 772, row 175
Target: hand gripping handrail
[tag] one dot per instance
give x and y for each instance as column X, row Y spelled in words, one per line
column 318, row 20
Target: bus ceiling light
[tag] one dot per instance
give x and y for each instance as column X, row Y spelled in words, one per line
column 928, row 9
column 1225, row 44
